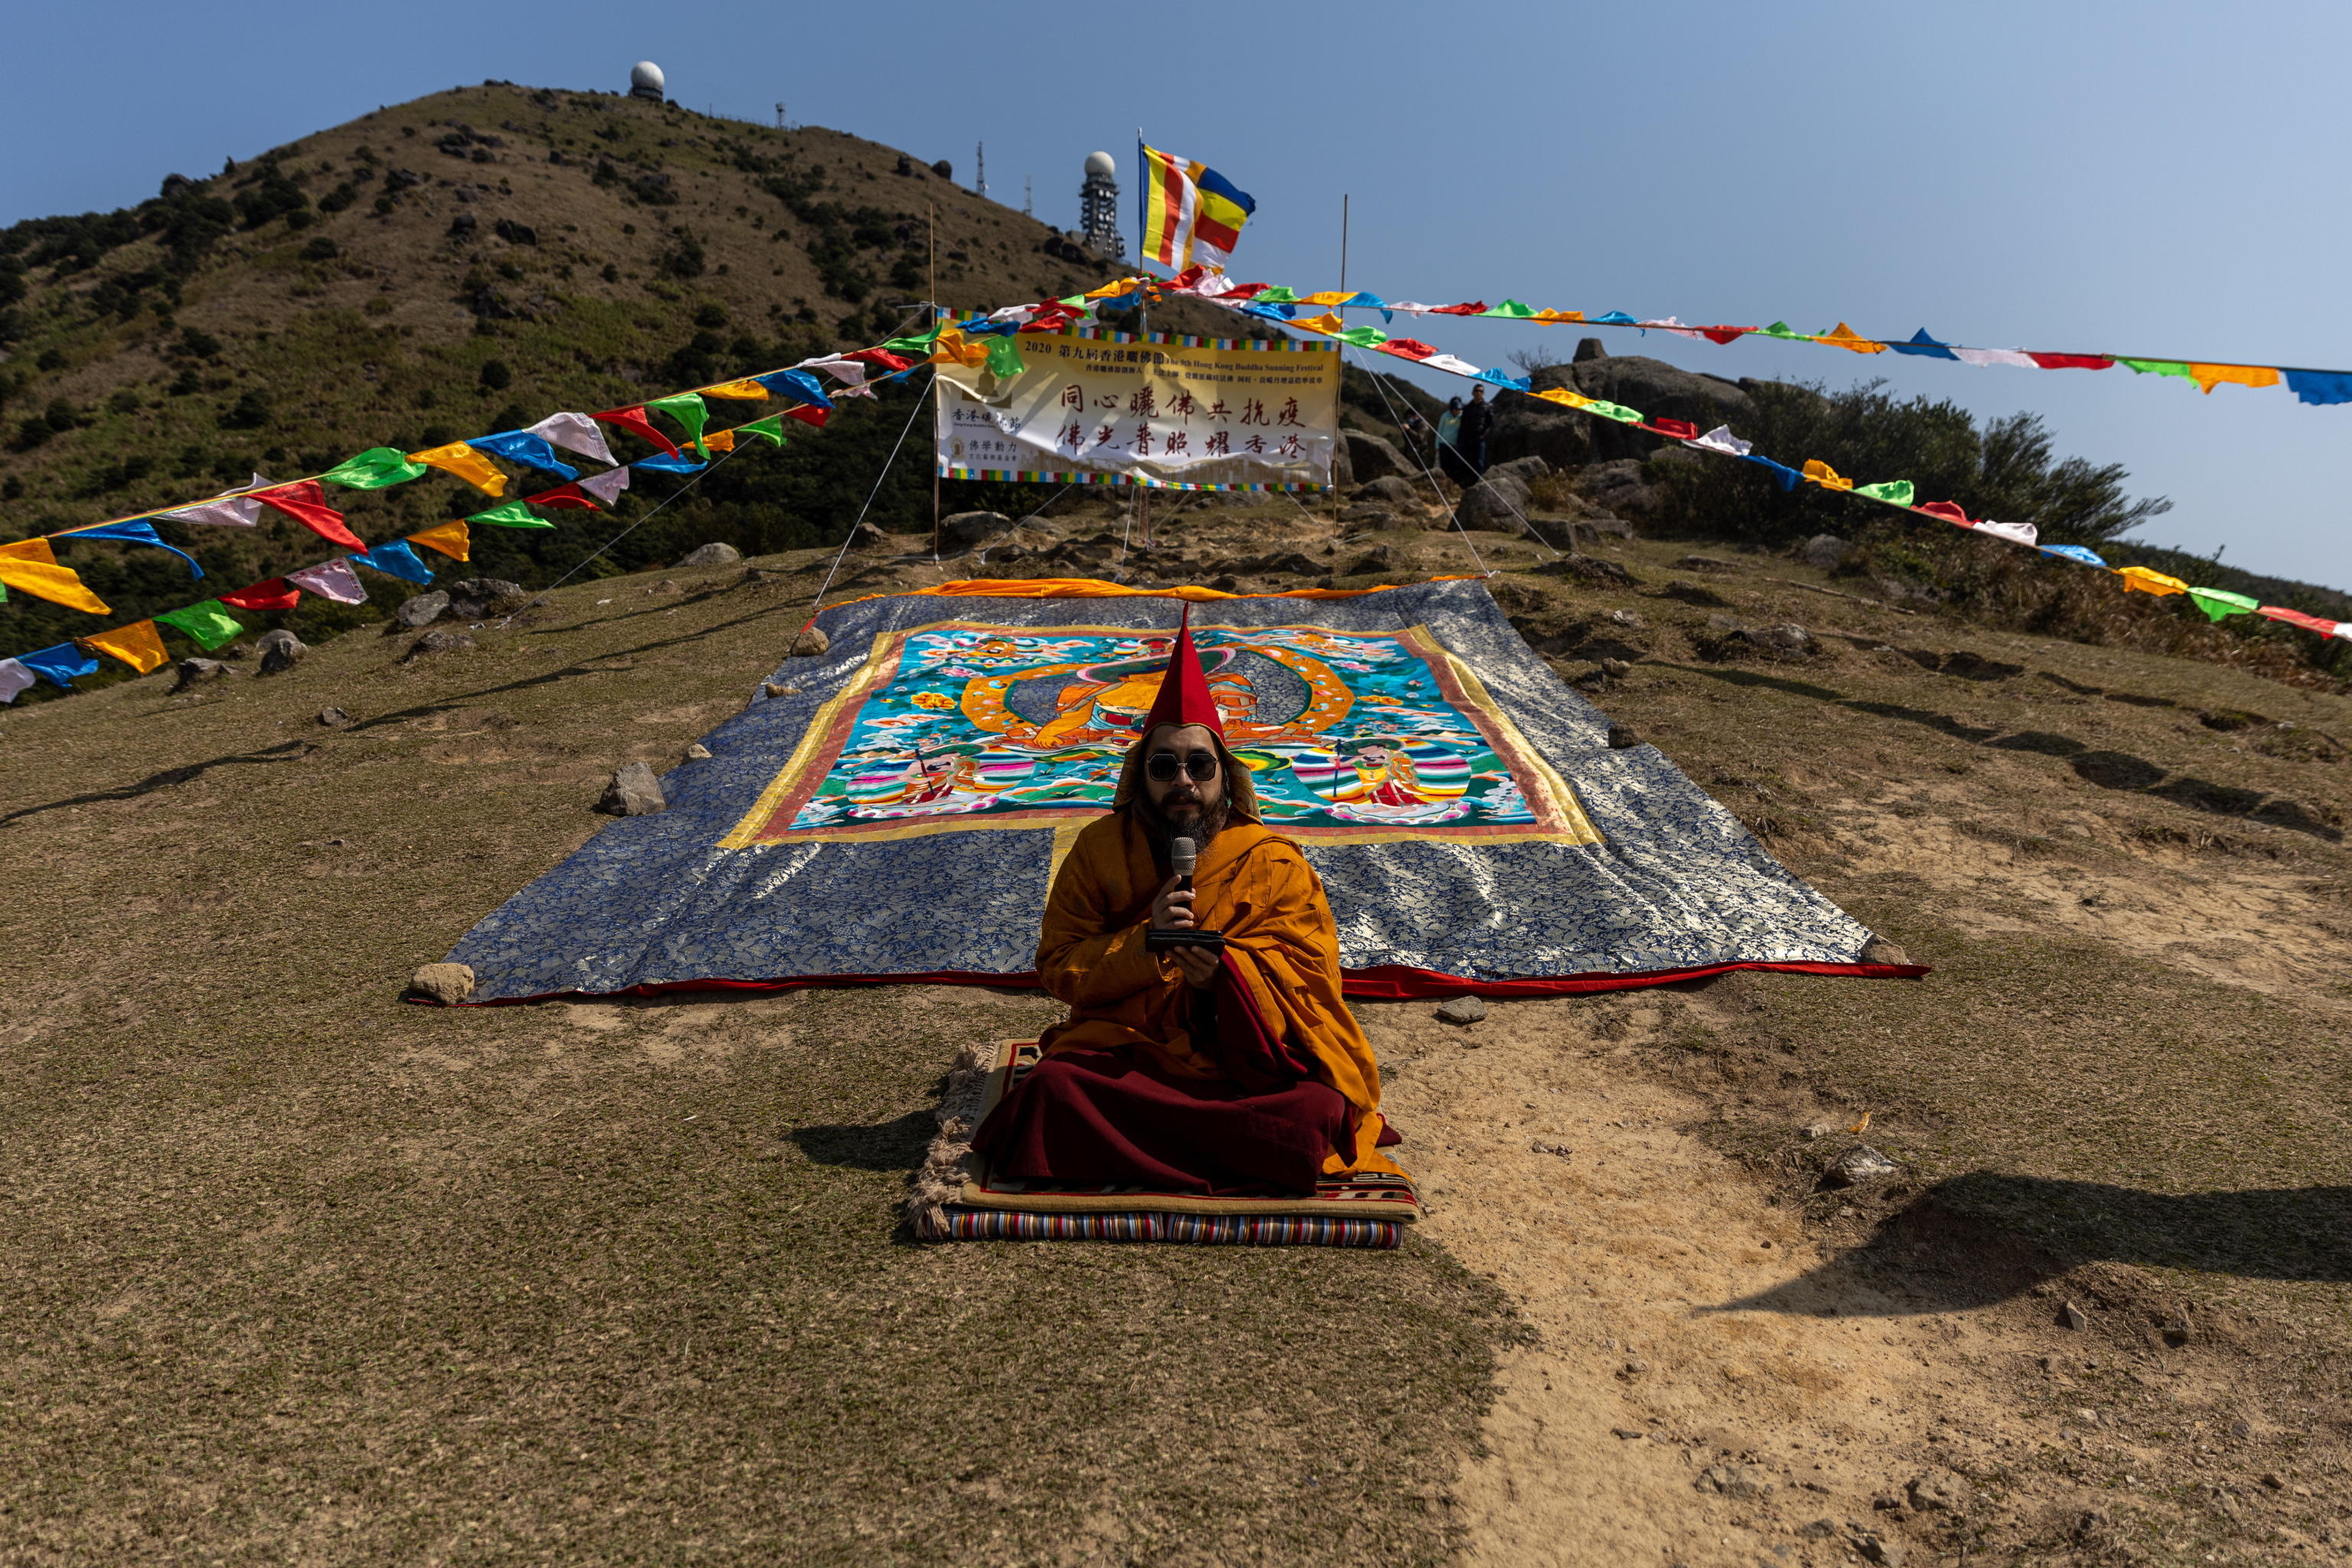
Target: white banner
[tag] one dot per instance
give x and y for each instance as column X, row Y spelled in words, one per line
column 1099, row 408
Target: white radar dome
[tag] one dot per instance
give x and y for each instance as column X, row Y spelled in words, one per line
column 647, row 75
column 1102, row 163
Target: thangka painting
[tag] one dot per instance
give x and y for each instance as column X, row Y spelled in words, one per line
column 1348, row 736
column 897, row 805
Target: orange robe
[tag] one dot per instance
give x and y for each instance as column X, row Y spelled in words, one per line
column 1257, row 890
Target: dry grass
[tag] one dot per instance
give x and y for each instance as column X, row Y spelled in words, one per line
column 296, row 1270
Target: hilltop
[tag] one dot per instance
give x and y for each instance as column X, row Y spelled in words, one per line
column 465, row 263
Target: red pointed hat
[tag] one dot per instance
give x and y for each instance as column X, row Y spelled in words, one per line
column 1184, row 693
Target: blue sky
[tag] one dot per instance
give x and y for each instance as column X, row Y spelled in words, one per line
column 2154, row 179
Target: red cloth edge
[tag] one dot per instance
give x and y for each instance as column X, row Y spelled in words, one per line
column 1382, row 983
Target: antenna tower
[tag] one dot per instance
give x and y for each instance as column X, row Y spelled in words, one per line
column 980, row 160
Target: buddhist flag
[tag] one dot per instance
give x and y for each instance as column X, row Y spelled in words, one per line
column 1191, row 214
column 207, row 625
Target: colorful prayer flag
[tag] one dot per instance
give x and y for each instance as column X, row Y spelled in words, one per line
column 331, row 580
column 374, row 469
column 138, row 531
column 449, row 539
column 1190, row 212
column 573, row 433
column 274, row 594
column 770, row 429
column 30, row 564
column 61, row 665
column 522, row 447
column 135, row 645
column 688, row 408
column 2217, row 605
column 512, row 514
column 469, row 465
column 207, row 625
column 14, row 678
column 633, row 419
column 306, row 503
column 395, row 559
column 2148, row 582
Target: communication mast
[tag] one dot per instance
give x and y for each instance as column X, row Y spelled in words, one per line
column 980, row 164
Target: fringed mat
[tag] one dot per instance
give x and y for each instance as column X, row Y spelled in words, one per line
column 956, row 1199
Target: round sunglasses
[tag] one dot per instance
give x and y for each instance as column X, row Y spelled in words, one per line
column 1200, row 767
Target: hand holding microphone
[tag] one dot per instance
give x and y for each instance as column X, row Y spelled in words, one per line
column 1172, row 929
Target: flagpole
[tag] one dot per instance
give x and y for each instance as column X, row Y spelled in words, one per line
column 1343, row 242
column 932, row 245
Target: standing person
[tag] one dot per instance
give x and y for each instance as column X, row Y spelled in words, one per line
column 1478, row 421
column 1450, row 461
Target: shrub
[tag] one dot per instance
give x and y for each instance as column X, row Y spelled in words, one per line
column 249, row 411
column 322, row 249
column 495, row 374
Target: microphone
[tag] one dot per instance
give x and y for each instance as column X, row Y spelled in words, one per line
column 1183, row 854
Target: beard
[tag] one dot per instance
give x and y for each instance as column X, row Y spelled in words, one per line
column 1185, row 819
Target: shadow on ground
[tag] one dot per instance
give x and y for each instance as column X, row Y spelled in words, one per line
column 2118, row 770
column 1954, row 1247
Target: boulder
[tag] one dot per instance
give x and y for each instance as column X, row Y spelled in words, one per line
column 1496, row 502
column 447, row 983
column 333, row 718
column 1370, row 457
column 192, row 671
column 1878, row 949
column 1621, row 737
column 477, row 598
column 1527, row 469
column 1368, row 514
column 1391, row 489
column 423, row 610
column 714, row 554
column 634, row 792
column 810, row 642
column 698, row 753
column 279, row 649
column 1790, row 641
column 436, row 641
column 1590, row 349
column 1528, row 426
column 1343, row 470
column 1618, row 486
column 1826, row 552
column 970, row 530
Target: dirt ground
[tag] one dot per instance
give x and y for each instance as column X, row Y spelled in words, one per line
column 296, row 1272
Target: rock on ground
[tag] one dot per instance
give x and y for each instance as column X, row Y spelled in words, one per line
column 279, row 649
column 1370, row 457
column 1527, row 469
column 1495, row 503
column 423, row 610
column 194, row 670
column 1860, row 1164
column 475, row 599
column 333, row 718
column 1391, row 489
column 1462, row 1010
column 715, row 553
column 810, row 642
column 1826, row 552
column 436, row 642
column 634, row 792
column 447, row 983
column 970, row 530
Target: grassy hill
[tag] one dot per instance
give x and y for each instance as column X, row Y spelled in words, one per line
column 462, row 263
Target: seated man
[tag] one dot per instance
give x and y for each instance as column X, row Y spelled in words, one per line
column 1181, row 1071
